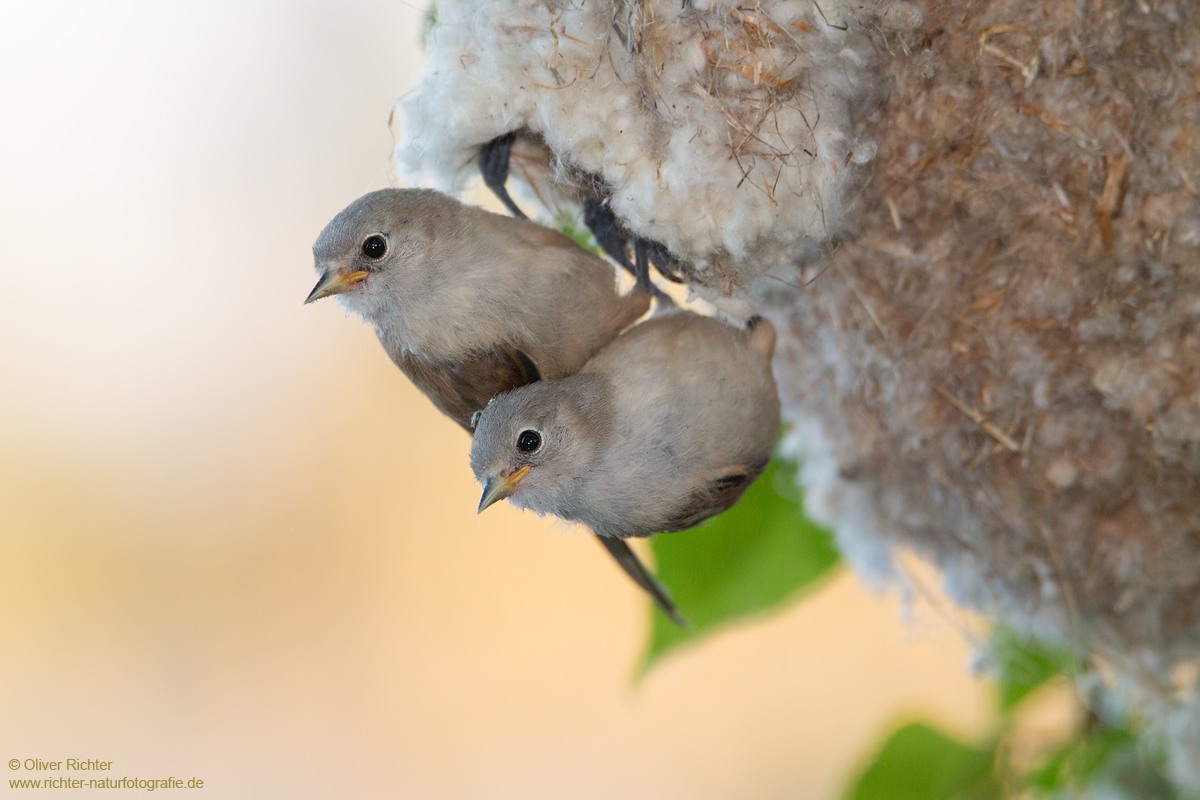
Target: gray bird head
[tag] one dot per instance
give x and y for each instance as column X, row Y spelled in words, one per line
column 375, row 249
column 537, row 443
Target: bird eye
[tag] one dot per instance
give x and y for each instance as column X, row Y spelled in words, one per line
column 374, row 247
column 529, row 441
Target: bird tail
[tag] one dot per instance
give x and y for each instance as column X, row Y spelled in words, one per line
column 635, row 569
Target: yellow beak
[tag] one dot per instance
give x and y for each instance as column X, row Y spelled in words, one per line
column 496, row 489
column 333, row 282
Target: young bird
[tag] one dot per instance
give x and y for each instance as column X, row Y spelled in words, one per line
column 661, row 430
column 468, row 303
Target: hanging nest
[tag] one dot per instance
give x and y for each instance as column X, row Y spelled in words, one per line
column 998, row 366
column 977, row 228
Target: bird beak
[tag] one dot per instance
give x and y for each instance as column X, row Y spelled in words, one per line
column 333, row 281
column 496, row 489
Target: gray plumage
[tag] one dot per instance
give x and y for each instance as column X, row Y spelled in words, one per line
column 469, row 303
column 662, row 429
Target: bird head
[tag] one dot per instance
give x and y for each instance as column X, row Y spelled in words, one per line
column 372, row 250
column 537, row 443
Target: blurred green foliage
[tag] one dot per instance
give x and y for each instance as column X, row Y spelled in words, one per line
column 566, row 222
column 1105, row 758
column 1076, row 763
column 920, row 763
column 1022, row 664
column 753, row 558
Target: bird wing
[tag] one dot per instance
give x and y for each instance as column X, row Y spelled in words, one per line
column 519, row 232
column 539, row 236
column 634, row 568
column 460, row 388
column 714, row 496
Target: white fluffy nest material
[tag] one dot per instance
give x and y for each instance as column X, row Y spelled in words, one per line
column 719, row 128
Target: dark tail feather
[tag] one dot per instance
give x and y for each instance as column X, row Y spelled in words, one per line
column 635, row 569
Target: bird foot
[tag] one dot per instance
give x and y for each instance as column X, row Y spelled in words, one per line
column 493, row 166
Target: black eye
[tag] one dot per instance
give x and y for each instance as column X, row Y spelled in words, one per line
column 529, row 441
column 374, row 247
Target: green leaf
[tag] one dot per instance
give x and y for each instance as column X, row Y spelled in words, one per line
column 755, row 556
column 1074, row 764
column 1023, row 664
column 566, row 222
column 921, row 763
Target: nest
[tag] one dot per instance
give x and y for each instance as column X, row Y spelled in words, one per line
column 999, row 365
column 719, row 129
column 980, row 224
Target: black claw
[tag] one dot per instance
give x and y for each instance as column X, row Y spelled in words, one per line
column 635, row 569
column 641, row 263
column 644, row 252
column 613, row 239
column 609, row 234
column 493, row 165
column 666, row 264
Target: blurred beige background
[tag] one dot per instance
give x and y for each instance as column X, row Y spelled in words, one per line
column 235, row 544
